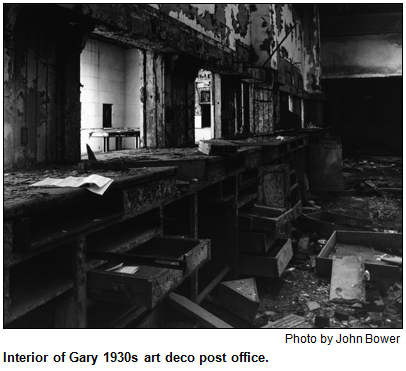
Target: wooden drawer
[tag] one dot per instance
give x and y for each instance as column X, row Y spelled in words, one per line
column 372, row 246
column 256, row 242
column 263, row 218
column 271, row 264
column 149, row 284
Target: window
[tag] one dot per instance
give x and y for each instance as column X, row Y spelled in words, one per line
column 107, row 115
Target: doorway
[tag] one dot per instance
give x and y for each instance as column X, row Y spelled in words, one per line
column 203, row 106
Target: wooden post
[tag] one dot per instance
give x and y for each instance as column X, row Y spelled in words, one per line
column 160, row 100
column 217, row 104
column 194, row 278
column 150, row 102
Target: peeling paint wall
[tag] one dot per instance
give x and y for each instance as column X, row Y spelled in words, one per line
column 370, row 46
column 286, row 37
column 224, row 23
column 234, row 41
column 42, row 86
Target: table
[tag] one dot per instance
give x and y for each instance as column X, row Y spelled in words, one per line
column 119, row 134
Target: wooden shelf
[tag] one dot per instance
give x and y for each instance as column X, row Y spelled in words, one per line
column 121, row 240
column 248, row 182
column 32, row 293
column 64, row 228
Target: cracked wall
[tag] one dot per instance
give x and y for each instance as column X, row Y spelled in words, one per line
column 225, row 23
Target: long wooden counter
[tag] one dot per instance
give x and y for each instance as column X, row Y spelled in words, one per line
column 178, row 193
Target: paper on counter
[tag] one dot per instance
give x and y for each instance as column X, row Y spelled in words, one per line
column 94, row 183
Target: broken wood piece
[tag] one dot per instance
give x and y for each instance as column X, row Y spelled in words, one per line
column 90, row 154
column 217, row 147
column 240, row 297
column 397, row 260
column 347, row 279
column 290, row 321
column 204, row 317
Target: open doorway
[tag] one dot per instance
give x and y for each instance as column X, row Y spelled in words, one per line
column 204, row 128
column 112, row 108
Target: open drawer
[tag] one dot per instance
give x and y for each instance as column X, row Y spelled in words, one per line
column 271, row 264
column 149, row 284
column 261, row 217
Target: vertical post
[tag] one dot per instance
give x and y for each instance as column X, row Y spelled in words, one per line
column 194, row 278
column 150, row 102
column 72, row 311
column 217, row 104
column 160, row 100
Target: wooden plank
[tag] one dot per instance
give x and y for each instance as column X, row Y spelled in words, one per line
column 241, row 297
column 53, row 115
column 46, row 40
column 150, row 101
column 186, row 306
column 217, row 147
column 79, row 272
column 128, row 316
column 207, row 290
column 216, row 77
column 31, row 104
column 347, row 280
column 6, row 293
column 160, row 88
column 19, row 125
column 290, row 321
column 190, row 106
column 252, row 108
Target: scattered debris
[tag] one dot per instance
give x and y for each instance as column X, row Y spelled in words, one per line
column 347, row 279
column 312, row 305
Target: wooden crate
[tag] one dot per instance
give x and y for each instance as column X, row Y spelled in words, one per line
column 271, row 264
column 368, row 244
column 149, row 285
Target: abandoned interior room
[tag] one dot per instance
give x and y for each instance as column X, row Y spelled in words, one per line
column 202, row 166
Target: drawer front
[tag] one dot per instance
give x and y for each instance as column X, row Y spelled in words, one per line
column 149, row 285
column 271, row 264
column 252, row 242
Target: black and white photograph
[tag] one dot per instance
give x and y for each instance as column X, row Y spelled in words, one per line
column 184, row 167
